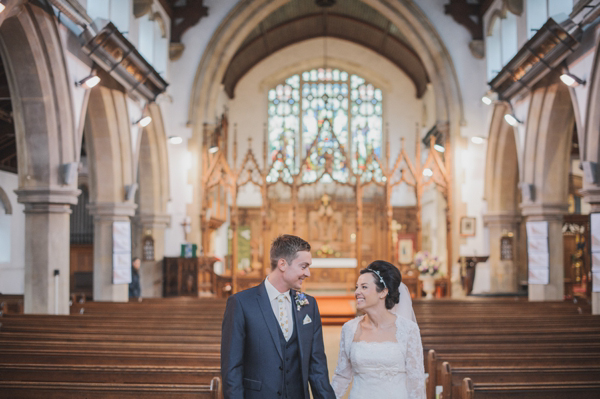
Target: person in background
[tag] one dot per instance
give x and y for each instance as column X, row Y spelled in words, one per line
column 135, row 290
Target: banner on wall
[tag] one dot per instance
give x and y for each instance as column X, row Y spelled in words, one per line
column 595, row 236
column 538, row 253
column 121, row 253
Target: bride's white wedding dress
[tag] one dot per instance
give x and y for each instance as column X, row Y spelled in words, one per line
column 381, row 370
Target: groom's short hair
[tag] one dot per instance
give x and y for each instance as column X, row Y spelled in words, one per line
column 287, row 246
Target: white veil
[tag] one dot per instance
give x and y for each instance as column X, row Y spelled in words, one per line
column 404, row 308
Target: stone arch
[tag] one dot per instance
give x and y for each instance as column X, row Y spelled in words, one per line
column 152, row 218
column 549, row 130
column 5, row 202
column 109, row 150
column 502, row 218
column 247, row 14
column 547, row 149
column 590, row 136
column 411, row 21
column 502, row 165
column 153, row 166
column 39, row 83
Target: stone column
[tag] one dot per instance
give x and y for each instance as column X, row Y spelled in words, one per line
column 105, row 213
column 553, row 214
column 592, row 196
column 47, row 246
column 503, row 273
column 151, row 273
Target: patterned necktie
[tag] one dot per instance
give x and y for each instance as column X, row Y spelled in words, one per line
column 282, row 315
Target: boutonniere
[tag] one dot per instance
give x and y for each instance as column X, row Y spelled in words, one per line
column 301, row 300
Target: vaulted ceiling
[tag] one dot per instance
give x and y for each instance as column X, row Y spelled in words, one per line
column 350, row 20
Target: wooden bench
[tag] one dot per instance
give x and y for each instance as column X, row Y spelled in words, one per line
column 78, row 390
column 556, row 390
column 452, row 377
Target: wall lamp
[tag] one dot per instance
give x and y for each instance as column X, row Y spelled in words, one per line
column 2, row 7
column 175, row 140
column 511, row 119
column 439, row 148
column 88, row 82
column 571, row 80
column 489, row 97
column 477, row 140
column 143, row 121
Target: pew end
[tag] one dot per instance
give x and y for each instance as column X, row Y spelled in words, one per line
column 446, row 381
column 432, row 370
column 467, row 389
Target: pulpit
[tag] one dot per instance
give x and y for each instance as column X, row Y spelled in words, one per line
column 189, row 277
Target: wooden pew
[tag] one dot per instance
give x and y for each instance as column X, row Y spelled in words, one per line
column 78, row 390
column 556, row 390
column 452, row 377
column 108, row 374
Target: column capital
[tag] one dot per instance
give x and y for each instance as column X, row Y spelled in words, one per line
column 498, row 218
column 112, row 210
column 591, row 195
column 47, row 197
column 545, row 210
column 159, row 221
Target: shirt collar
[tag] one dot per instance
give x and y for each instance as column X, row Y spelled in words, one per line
column 273, row 292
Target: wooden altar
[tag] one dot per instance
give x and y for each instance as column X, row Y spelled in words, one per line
column 189, row 277
column 366, row 227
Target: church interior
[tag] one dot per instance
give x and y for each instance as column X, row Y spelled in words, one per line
column 458, row 140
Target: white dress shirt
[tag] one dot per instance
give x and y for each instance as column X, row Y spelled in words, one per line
column 273, row 293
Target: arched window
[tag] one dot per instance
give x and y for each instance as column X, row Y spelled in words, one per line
column 116, row 11
column 330, row 119
column 538, row 12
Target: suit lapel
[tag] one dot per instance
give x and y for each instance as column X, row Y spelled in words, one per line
column 270, row 320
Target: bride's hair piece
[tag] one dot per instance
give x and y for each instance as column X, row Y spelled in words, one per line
column 378, row 275
column 386, row 276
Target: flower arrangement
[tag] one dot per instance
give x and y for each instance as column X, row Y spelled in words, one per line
column 426, row 263
column 301, row 300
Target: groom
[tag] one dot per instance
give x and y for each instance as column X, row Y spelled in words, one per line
column 272, row 341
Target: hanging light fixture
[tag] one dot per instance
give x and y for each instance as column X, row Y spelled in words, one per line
column 2, row 6
column 489, row 97
column 175, row 140
column 477, row 140
column 439, row 148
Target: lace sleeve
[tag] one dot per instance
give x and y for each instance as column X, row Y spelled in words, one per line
column 415, row 369
column 343, row 372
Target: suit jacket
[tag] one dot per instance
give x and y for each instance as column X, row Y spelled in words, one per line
column 251, row 353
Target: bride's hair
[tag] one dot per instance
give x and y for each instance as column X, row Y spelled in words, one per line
column 387, row 276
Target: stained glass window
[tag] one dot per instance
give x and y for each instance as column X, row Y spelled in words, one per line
column 310, row 116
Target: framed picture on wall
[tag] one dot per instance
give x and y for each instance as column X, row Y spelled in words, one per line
column 467, row 226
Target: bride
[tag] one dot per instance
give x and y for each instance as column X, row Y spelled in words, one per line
column 381, row 352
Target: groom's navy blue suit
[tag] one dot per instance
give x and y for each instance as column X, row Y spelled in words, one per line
column 256, row 360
